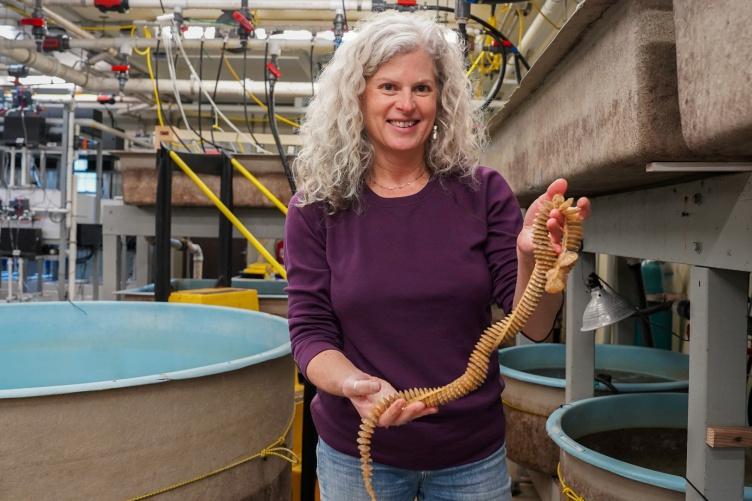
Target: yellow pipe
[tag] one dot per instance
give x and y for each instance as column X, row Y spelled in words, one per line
column 475, row 63
column 229, row 215
column 268, row 194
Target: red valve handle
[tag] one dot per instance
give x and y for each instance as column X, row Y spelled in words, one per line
column 105, row 99
column 107, row 4
column 274, row 70
column 120, row 68
column 36, row 22
column 242, row 21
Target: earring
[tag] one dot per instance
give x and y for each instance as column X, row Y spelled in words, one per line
column 435, row 134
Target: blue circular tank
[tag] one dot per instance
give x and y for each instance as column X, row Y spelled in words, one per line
column 534, row 388
column 635, row 369
column 631, row 425
column 103, row 400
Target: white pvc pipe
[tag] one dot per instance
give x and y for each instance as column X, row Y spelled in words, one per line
column 82, row 99
column 20, row 278
column 88, row 122
column 198, row 259
column 540, row 30
column 24, row 166
column 72, row 28
column 72, row 238
column 224, row 88
column 70, row 198
column 53, row 67
column 231, row 4
column 319, row 44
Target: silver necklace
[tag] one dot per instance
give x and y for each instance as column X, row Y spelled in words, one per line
column 400, row 186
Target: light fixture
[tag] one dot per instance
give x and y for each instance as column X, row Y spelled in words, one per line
column 605, row 307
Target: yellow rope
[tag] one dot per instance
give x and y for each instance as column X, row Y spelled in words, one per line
column 565, row 489
column 544, row 16
column 278, row 268
column 257, row 100
column 274, row 449
column 520, row 409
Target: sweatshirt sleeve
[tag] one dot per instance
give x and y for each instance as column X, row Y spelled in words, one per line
column 504, row 220
column 312, row 322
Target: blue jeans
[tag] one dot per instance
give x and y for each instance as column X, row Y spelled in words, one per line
column 485, row 480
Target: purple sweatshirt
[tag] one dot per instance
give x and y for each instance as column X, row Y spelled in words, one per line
column 403, row 288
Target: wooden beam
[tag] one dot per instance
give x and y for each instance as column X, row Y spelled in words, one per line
column 171, row 135
column 728, row 436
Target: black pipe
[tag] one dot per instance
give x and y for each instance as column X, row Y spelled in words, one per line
column 503, row 43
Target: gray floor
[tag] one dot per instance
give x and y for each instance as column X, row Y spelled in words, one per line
column 526, row 490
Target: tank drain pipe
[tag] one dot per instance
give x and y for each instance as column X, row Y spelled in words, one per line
column 194, row 249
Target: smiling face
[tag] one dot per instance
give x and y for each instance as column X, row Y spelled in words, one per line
column 399, row 106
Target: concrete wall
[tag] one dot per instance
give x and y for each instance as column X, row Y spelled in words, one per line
column 603, row 110
column 713, row 47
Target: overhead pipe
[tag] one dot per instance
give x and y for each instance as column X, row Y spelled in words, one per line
column 353, row 5
column 82, row 99
column 322, row 45
column 540, row 30
column 224, row 89
column 75, row 31
column 88, row 122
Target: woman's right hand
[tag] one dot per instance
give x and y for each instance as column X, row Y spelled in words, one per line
column 365, row 392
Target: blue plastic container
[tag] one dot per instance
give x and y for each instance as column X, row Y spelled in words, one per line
column 598, row 476
column 111, row 400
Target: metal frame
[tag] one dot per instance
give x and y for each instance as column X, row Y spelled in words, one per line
column 120, row 220
column 200, row 163
column 707, row 224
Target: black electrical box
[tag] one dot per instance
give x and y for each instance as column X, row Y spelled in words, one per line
column 24, row 130
column 27, row 240
column 89, row 235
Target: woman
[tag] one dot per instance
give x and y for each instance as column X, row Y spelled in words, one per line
column 396, row 246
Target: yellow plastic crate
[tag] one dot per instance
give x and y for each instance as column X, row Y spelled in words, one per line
column 222, row 296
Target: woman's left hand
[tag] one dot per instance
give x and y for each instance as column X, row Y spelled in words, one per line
column 555, row 220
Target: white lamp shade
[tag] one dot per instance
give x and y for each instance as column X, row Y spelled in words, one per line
column 605, row 308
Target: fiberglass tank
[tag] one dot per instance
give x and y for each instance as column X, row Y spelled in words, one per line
column 114, row 400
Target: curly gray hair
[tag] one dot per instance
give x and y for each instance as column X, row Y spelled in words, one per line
column 332, row 164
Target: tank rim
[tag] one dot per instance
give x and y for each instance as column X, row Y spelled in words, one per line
column 612, row 465
column 520, row 375
column 163, row 377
